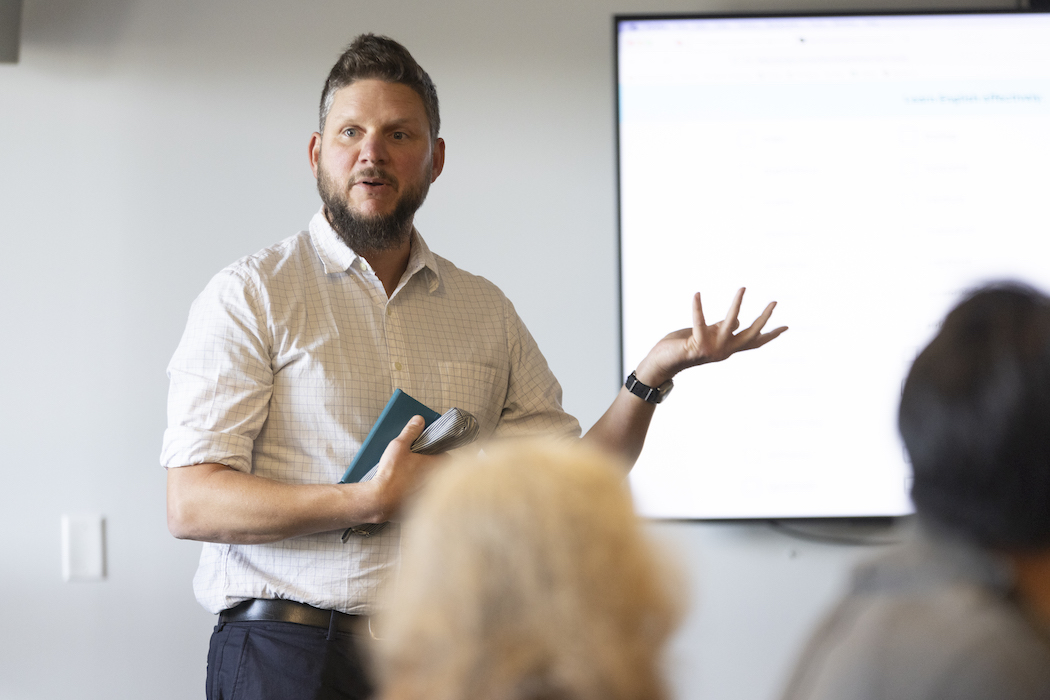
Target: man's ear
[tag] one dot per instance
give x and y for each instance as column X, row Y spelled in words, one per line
column 315, row 152
column 438, row 160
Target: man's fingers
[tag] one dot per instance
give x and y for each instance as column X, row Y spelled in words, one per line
column 763, row 318
column 698, row 314
column 412, row 430
column 724, row 341
column 753, row 337
column 732, row 321
column 752, row 331
column 766, row 337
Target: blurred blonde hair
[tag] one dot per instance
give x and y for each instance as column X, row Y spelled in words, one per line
column 526, row 576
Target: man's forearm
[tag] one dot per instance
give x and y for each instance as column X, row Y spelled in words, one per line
column 214, row 503
column 622, row 428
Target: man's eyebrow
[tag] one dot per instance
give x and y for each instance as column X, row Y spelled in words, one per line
column 355, row 119
column 404, row 121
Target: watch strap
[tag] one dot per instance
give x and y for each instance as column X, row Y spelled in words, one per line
column 652, row 394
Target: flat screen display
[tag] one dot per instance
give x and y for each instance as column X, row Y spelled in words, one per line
column 862, row 171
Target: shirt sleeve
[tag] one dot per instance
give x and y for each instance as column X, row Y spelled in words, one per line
column 533, row 404
column 221, row 377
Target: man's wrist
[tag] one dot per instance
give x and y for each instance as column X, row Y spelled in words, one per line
column 649, row 372
column 647, row 392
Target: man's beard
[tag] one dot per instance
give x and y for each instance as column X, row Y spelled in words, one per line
column 370, row 233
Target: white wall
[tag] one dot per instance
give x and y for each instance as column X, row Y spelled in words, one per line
column 145, row 144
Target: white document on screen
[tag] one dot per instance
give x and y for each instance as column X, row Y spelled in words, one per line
column 862, row 172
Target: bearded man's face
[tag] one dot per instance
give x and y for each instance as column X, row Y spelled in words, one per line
column 374, row 163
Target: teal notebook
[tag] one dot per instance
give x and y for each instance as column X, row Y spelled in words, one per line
column 399, row 410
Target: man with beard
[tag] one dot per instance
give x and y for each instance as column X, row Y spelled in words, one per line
column 290, row 355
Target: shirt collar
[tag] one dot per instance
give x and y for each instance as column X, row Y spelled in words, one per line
column 336, row 256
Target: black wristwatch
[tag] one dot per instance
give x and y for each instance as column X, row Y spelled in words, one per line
column 646, row 392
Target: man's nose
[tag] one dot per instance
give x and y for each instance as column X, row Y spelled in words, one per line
column 373, row 150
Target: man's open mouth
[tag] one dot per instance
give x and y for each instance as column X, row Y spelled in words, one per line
column 375, row 180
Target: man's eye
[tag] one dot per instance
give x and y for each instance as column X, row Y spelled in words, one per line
column 399, row 135
column 350, row 132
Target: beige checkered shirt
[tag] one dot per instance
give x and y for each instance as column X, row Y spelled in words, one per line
column 288, row 358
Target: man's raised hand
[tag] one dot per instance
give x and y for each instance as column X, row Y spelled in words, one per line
column 702, row 343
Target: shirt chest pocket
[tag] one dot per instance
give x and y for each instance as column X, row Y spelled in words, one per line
column 479, row 389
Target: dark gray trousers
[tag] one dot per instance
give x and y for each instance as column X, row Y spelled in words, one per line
column 261, row 660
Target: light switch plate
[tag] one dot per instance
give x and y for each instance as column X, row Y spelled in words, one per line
column 83, row 548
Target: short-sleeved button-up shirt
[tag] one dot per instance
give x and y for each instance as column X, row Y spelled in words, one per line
column 288, row 358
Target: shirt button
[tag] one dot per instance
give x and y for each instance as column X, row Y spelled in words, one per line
column 397, row 366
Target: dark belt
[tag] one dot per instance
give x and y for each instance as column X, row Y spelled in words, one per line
column 259, row 609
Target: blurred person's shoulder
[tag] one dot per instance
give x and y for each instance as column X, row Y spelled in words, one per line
column 931, row 618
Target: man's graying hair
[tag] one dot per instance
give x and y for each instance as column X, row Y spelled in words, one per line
column 375, row 57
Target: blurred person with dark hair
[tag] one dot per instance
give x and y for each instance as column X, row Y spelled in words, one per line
column 527, row 575
column 961, row 611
